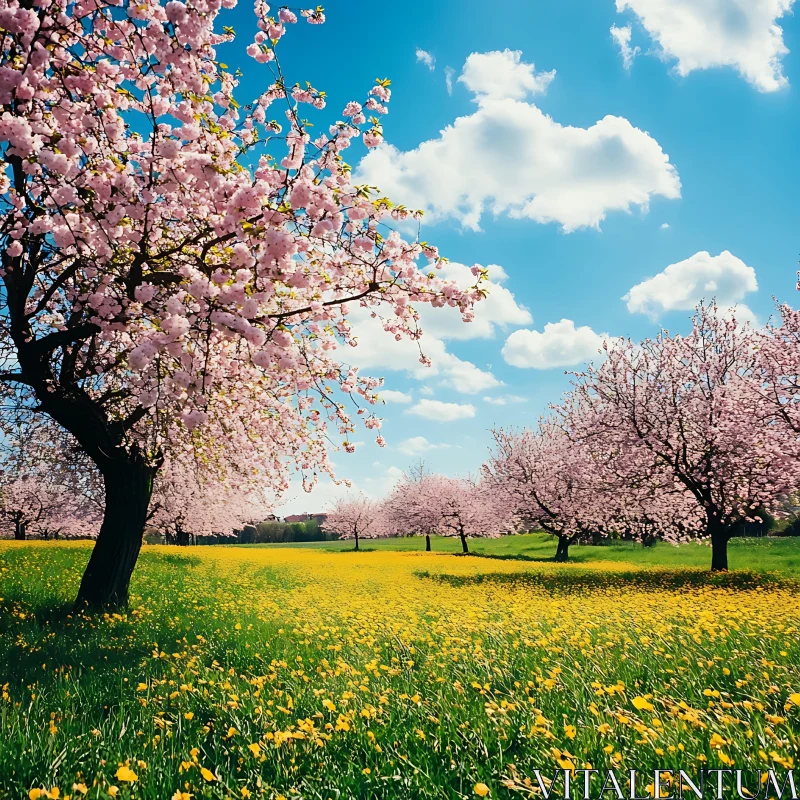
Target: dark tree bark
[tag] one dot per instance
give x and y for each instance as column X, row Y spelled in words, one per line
column 356, row 539
column 19, row 529
column 464, row 548
column 105, row 583
column 562, row 549
column 427, row 543
column 719, row 548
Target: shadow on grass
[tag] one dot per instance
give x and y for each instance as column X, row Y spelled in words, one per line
column 54, row 641
column 575, row 581
column 515, row 557
column 173, row 559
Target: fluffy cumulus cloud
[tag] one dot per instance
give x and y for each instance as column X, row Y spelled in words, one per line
column 393, row 396
column 681, row 286
column 529, row 165
column 622, row 38
column 560, row 344
column 442, row 412
column 424, row 57
column 419, row 445
column 699, row 34
column 498, row 310
column 378, row 350
column 503, row 74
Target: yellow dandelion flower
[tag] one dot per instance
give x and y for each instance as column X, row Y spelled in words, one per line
column 642, row 704
column 207, row 774
column 481, row 789
column 126, row 774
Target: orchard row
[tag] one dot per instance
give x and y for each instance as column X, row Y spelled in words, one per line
column 677, row 438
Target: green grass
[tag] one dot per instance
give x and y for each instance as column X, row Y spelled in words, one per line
column 389, row 674
column 763, row 555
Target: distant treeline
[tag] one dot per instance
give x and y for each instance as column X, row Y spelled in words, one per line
column 276, row 532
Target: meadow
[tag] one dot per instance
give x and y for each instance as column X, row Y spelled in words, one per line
column 316, row 672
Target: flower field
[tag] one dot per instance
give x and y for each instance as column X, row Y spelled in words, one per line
column 246, row 672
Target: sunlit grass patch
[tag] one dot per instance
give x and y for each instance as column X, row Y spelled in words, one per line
column 297, row 672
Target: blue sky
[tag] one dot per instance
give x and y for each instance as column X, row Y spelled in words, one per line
column 698, row 139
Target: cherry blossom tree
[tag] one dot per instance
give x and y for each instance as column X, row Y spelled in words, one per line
column 779, row 360
column 692, row 406
column 549, row 481
column 47, row 487
column 356, row 517
column 410, row 508
column 186, row 505
column 178, row 268
column 38, row 506
column 468, row 508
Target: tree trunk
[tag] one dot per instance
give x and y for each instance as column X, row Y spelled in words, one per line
column 562, row 550
column 719, row 549
column 356, row 540
column 129, row 485
column 19, row 530
column 427, row 543
column 464, row 548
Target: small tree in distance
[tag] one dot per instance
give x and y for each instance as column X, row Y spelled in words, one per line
column 410, row 509
column 186, row 505
column 356, row 517
column 547, row 480
column 470, row 509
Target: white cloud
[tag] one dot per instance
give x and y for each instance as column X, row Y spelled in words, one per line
column 427, row 391
column 393, row 396
column 503, row 74
column 560, row 344
column 508, row 157
column 426, row 58
column 442, row 412
column 449, row 72
column 699, row 34
column 622, row 38
column 417, row 445
column 498, row 309
column 379, row 350
column 664, row 226
column 681, row 286
column 464, row 376
column 741, row 313
column 505, row 400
